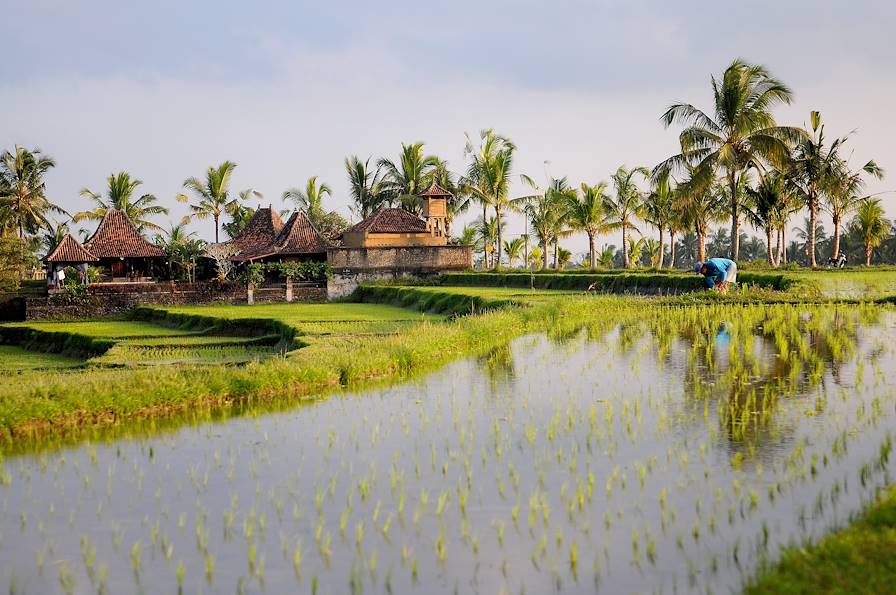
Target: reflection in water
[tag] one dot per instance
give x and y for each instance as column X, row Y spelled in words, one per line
column 650, row 452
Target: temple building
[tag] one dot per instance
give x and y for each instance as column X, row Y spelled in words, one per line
column 121, row 250
column 395, row 227
column 267, row 239
column 68, row 253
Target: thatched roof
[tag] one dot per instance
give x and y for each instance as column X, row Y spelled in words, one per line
column 390, row 220
column 117, row 237
column 70, row 250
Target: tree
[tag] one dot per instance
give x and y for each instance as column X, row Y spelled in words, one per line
column 24, row 206
column 310, row 199
column 182, row 248
column 211, row 192
column 699, row 204
column 488, row 174
column 586, row 213
column 222, row 255
column 740, row 134
column 514, row 250
column 563, row 258
column 535, row 256
column 626, row 205
column 120, row 196
column 366, row 186
column 547, row 212
column 810, row 236
column 239, row 212
column 467, row 236
column 403, row 181
column 658, row 209
column 635, row 249
column 844, row 193
column 871, row 225
column 487, row 232
column 767, row 209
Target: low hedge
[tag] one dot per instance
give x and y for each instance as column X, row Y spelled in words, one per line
column 451, row 304
column 610, row 281
column 261, row 328
column 68, row 344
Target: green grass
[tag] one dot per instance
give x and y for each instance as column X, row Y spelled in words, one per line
column 15, row 359
column 857, row 559
column 298, row 313
column 107, row 329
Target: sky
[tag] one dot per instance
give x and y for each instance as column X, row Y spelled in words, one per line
column 288, row 89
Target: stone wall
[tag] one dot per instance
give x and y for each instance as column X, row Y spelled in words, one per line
column 115, row 298
column 353, row 266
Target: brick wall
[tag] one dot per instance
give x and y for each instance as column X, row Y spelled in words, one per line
column 109, row 299
column 353, row 266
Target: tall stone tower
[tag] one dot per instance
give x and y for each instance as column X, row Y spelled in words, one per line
column 435, row 209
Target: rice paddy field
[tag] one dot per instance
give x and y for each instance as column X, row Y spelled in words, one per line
column 624, row 446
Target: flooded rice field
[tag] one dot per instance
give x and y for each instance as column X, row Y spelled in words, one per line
column 669, row 454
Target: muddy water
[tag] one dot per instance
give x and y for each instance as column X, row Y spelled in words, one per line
column 618, row 461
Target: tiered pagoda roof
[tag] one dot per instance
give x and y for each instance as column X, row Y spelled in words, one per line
column 117, row 237
column 70, row 250
column 435, row 191
column 265, row 235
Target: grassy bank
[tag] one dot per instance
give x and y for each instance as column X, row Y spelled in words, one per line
column 55, row 403
column 857, row 559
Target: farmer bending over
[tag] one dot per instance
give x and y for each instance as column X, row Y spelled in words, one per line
column 718, row 273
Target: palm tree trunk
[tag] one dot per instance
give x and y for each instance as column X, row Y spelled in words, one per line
column 625, row 259
column 784, row 259
column 735, row 217
column 659, row 260
column 591, row 251
column 547, row 253
column 484, row 242
column 813, row 217
column 768, row 238
column 556, row 260
column 216, row 229
column 701, row 246
column 671, row 248
column 499, row 247
column 867, row 254
column 778, row 255
column 836, row 237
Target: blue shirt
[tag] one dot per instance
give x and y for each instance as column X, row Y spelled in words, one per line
column 716, row 271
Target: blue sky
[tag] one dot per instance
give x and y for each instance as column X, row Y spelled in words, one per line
column 288, row 89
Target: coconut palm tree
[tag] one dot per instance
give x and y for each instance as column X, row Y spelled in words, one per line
column 586, row 213
column 404, row 180
column 311, row 199
column 740, row 134
column 806, row 234
column 365, row 185
column 514, row 250
column 24, row 206
column 467, row 236
column 535, row 256
column 844, row 193
column 212, row 194
column 700, row 204
column 564, row 256
column 626, row 205
column 871, row 225
column 547, row 213
column 120, row 196
column 767, row 209
column 605, row 258
column 488, row 175
column 487, row 232
column 658, row 209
